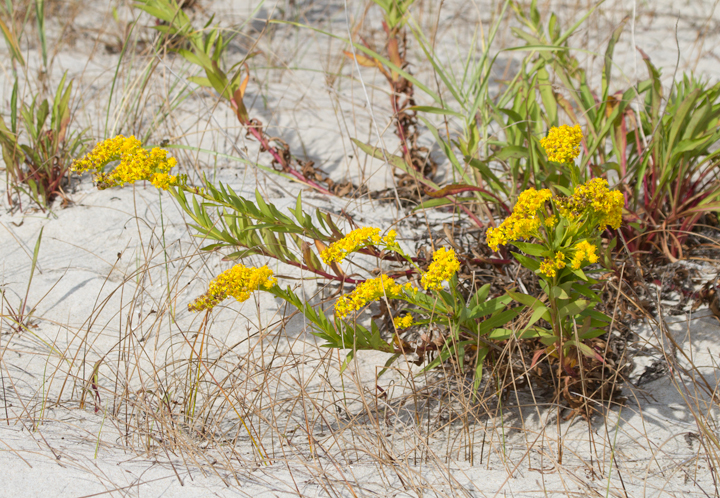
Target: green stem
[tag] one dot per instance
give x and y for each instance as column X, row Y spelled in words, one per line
column 557, row 328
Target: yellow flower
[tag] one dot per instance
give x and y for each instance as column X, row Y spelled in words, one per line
column 584, row 253
column 594, row 197
column 136, row 164
column 443, row 267
column 238, row 282
column 524, row 221
column 551, row 221
column 370, row 290
column 355, row 240
column 106, row 151
column 163, row 180
column 549, row 266
column 562, row 144
column 389, row 239
column 403, row 322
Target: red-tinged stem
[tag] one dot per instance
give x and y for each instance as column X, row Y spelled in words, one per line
column 345, row 280
column 322, row 273
column 491, row 261
column 260, row 137
column 400, row 129
column 468, row 212
column 281, row 161
column 388, row 257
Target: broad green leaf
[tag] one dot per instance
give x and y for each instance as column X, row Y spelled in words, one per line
column 532, row 249
column 528, row 263
column 572, row 309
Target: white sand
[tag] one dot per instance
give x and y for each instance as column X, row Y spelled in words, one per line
column 108, row 263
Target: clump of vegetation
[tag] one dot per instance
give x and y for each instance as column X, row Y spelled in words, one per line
column 568, row 229
column 469, row 327
column 38, row 154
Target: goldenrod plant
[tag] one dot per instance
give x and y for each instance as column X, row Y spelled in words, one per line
column 560, row 237
column 559, row 234
column 465, row 323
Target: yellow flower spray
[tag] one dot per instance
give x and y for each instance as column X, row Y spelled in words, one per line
column 442, row 268
column 136, row 164
column 239, row 282
column 369, row 291
column 356, row 240
column 562, row 144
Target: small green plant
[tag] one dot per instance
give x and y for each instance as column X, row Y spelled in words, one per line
column 566, row 228
column 551, row 83
column 39, row 167
column 673, row 165
column 395, row 11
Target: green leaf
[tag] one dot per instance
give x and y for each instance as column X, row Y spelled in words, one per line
column 548, row 96
column 591, row 333
column 201, row 81
column 560, row 293
column 512, row 152
column 488, row 308
column 348, row 359
column 388, row 363
column 607, row 67
column 526, row 299
column 528, row 263
column 564, row 191
column 585, row 350
column 437, row 110
column 481, row 354
column 498, row 319
column 12, row 43
column 480, row 296
column 532, row 249
column 433, row 203
column 580, row 274
column 572, row 309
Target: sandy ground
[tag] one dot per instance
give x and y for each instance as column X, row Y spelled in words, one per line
column 117, row 268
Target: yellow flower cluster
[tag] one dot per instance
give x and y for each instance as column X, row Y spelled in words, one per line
column 370, row 290
column 403, row 322
column 136, row 164
column 443, row 267
column 524, row 220
column 562, row 144
column 238, row 282
column 106, row 151
column 584, row 251
column 597, row 197
column 550, row 266
column 357, row 239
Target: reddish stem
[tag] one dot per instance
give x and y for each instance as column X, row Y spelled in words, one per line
column 286, row 168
